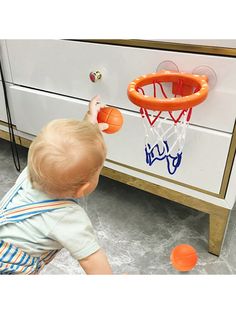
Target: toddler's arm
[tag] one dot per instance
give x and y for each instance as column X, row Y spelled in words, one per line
column 94, row 108
column 96, row 264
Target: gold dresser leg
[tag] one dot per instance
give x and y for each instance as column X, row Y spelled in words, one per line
column 217, row 229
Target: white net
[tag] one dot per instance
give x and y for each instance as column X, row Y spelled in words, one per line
column 165, row 138
column 165, row 131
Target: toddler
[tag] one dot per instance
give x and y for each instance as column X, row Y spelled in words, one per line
column 40, row 214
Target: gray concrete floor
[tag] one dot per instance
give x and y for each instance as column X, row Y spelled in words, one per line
column 136, row 229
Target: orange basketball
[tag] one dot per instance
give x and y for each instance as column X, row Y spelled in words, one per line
column 113, row 117
column 183, row 257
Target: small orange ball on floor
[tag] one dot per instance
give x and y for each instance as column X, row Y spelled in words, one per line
column 184, row 257
column 111, row 116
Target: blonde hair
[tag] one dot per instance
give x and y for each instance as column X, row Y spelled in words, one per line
column 64, row 156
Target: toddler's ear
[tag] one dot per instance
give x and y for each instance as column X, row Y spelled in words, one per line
column 82, row 189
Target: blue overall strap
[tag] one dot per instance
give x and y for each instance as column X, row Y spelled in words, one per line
column 19, row 213
column 7, row 198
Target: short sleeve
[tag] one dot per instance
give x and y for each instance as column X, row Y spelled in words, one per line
column 74, row 232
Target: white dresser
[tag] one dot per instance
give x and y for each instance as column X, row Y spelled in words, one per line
column 48, row 79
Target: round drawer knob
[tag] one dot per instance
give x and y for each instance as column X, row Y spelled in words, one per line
column 95, row 76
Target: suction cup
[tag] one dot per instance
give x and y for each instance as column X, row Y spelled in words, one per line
column 209, row 72
column 167, row 65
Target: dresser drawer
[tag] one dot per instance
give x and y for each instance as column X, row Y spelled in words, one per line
column 3, row 116
column 5, row 61
column 63, row 67
column 34, row 109
column 203, row 162
column 204, row 155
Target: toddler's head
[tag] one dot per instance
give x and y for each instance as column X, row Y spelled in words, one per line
column 66, row 158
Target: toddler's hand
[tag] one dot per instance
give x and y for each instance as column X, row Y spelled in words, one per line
column 94, row 108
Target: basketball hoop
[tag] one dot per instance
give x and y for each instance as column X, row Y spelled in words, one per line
column 166, row 118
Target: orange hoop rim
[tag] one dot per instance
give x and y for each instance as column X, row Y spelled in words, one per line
column 168, row 104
